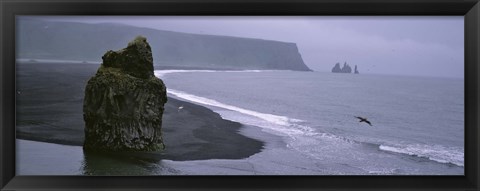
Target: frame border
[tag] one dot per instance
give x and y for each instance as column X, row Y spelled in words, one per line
column 10, row 8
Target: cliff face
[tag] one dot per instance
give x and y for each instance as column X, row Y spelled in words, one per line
column 39, row 39
column 124, row 102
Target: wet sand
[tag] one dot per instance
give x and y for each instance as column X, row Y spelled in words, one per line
column 49, row 109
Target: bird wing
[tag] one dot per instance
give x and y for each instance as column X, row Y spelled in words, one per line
column 361, row 118
column 368, row 122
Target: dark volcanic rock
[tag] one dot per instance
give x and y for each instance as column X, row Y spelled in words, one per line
column 135, row 60
column 346, row 68
column 336, row 68
column 356, row 70
column 124, row 102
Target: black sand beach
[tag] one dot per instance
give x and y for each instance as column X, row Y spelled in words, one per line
column 49, row 109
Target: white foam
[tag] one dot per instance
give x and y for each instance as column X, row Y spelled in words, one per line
column 161, row 73
column 56, row 61
column 277, row 123
column 274, row 119
column 437, row 153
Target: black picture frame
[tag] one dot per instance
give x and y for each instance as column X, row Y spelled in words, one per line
column 470, row 9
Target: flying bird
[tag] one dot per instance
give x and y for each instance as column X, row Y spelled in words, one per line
column 362, row 119
column 179, row 108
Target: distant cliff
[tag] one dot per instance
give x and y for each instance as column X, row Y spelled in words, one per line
column 39, row 39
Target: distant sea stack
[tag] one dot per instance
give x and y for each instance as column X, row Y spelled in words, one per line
column 345, row 69
column 124, row 102
column 336, row 68
column 356, row 70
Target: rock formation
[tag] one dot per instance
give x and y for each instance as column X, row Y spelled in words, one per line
column 124, row 102
column 345, row 69
column 356, row 70
column 336, row 68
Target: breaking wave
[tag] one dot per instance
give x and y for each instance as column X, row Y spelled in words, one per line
column 436, row 153
column 277, row 120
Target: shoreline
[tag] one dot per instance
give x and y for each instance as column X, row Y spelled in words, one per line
column 49, row 109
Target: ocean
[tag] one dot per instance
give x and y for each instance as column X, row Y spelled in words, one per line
column 307, row 120
column 418, row 118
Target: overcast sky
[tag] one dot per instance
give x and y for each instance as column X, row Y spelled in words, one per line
column 407, row 45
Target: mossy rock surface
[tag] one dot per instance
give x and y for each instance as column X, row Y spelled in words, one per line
column 136, row 59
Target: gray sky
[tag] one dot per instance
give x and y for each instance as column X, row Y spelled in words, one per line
column 406, row 45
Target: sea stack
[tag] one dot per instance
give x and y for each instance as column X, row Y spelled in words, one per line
column 124, row 102
column 336, row 68
column 345, row 69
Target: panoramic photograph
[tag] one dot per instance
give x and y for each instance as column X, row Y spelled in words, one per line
column 239, row 95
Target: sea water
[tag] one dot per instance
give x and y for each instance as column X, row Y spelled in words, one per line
column 415, row 120
column 417, row 126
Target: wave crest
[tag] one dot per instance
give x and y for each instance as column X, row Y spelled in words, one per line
column 436, row 153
